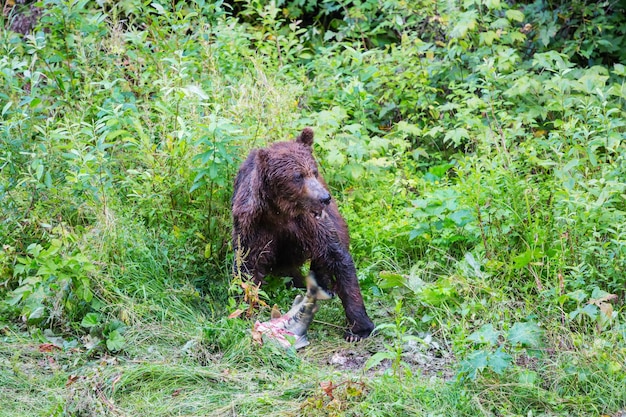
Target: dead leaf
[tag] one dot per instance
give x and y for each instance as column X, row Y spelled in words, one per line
column 601, row 300
column 606, row 309
column 48, row 347
column 328, row 387
column 71, row 379
column 235, row 314
column 604, row 304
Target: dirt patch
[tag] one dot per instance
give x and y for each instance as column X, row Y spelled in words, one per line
column 348, row 360
column 428, row 357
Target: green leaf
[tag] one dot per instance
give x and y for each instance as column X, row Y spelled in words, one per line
column 486, row 335
column 356, row 171
column 499, row 361
column 440, row 170
column 336, row 157
column 391, row 280
column 516, row 15
column 618, row 69
column 383, row 326
column 377, row 358
column 90, row 320
column 487, row 38
column 475, row 363
column 492, row 4
column 160, row 9
column 408, row 128
column 465, row 23
column 6, row 107
column 474, row 264
column 527, row 334
column 528, row 377
column 115, row 341
column 590, row 311
column 457, row 136
column 37, row 313
column 579, row 296
column 461, row 217
column 195, row 90
column 523, row 259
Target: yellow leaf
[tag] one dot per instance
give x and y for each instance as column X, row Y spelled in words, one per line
column 606, row 309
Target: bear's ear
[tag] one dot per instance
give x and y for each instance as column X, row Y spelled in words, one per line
column 261, row 158
column 306, row 136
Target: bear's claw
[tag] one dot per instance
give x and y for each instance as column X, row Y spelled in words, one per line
column 354, row 337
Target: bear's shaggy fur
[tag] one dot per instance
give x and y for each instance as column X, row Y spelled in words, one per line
column 283, row 215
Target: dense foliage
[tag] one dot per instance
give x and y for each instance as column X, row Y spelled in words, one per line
column 477, row 149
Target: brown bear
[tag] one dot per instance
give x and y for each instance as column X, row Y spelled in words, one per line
column 283, row 215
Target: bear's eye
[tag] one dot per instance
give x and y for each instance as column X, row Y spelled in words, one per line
column 315, row 173
column 298, row 177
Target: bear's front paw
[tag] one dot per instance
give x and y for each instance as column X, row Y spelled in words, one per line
column 355, row 335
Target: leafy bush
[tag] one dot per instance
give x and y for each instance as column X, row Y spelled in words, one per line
column 54, row 284
column 476, row 149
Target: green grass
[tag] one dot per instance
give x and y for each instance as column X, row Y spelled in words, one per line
column 173, row 369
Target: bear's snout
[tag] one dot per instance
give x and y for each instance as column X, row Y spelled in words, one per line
column 316, row 191
column 318, row 196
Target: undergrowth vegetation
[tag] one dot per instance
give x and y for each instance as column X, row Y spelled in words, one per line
column 477, row 150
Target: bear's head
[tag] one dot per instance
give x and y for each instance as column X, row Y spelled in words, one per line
column 292, row 185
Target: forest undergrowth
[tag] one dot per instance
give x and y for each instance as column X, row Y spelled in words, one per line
column 476, row 148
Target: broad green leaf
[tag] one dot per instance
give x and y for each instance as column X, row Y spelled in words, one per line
column 409, row 128
column 391, row 280
column 487, row 38
column 528, row 377
column 457, row 136
column 465, row 23
column 17, row 297
column 474, row 264
column 499, row 361
column 523, row 259
column 440, row 170
column 336, row 157
column 527, row 334
column 37, row 313
column 517, row 37
column 590, row 311
column 579, row 296
column 598, row 294
column 384, row 326
column 516, row 15
column 195, row 90
column 461, row 217
column 475, row 363
column 6, row 107
column 160, row 9
column 486, row 335
column 573, row 163
column 90, row 320
column 492, row 4
column 115, row 341
column 618, row 69
column 356, row 171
